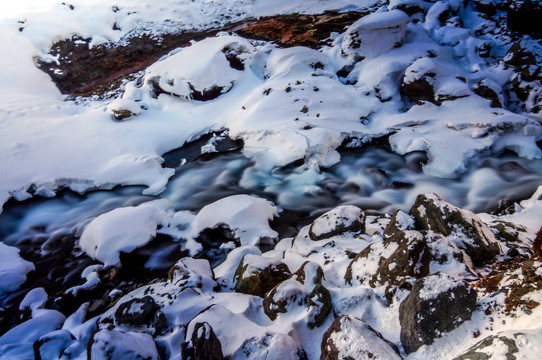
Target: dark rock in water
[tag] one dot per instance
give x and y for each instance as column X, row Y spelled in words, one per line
column 256, row 275
column 320, row 304
column 462, row 227
column 350, row 338
column 280, row 345
column 491, row 342
column 524, row 17
column 437, row 304
column 204, row 344
column 52, row 345
column 338, row 221
column 284, row 296
column 117, row 345
column 137, row 312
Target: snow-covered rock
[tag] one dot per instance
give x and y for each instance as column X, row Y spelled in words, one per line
column 112, row 344
column 375, row 34
column 13, row 269
column 337, row 221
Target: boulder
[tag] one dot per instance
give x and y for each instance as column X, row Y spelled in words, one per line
column 117, row 345
column 257, row 275
column 204, row 344
column 338, row 221
column 137, row 312
column 410, row 7
column 352, row 339
column 483, row 350
column 519, row 56
column 537, row 244
column 270, row 346
column 190, row 272
column 487, row 7
column 419, row 81
column 286, row 295
column 320, row 304
column 462, row 227
column 437, row 304
column 524, row 17
column 375, row 34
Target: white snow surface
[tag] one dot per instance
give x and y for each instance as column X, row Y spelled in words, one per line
column 122, row 229
column 13, row 269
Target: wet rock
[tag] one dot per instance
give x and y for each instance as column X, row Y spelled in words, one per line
column 338, row 221
column 462, row 227
column 52, row 345
column 204, row 344
column 270, row 346
column 490, row 90
column 352, row 339
column 419, row 80
column 137, row 312
column 117, row 345
column 320, row 304
column 375, row 34
column 283, row 297
column 257, row 275
column 486, row 348
column 437, row 304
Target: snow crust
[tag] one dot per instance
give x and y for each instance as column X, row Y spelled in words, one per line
column 13, row 269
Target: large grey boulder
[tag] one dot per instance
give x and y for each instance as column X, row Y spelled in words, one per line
column 437, row 304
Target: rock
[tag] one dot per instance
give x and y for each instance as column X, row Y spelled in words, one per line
column 122, row 114
column 270, row 346
column 320, row 304
column 52, row 345
column 401, row 258
column 486, row 348
column 419, row 80
column 309, row 274
column 352, row 339
column 488, row 89
column 462, row 227
column 256, row 275
column 137, row 312
column 518, row 56
column 537, row 244
column 190, row 272
column 286, row 295
column 204, row 344
column 437, row 304
column 375, row 34
column 117, row 345
column 338, row 221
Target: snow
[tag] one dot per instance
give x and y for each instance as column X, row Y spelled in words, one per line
column 13, row 269
column 122, row 229
column 344, row 216
column 437, row 284
column 247, row 216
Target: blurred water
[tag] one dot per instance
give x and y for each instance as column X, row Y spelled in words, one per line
column 372, row 178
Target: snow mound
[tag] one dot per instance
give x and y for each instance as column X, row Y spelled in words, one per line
column 123, row 229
